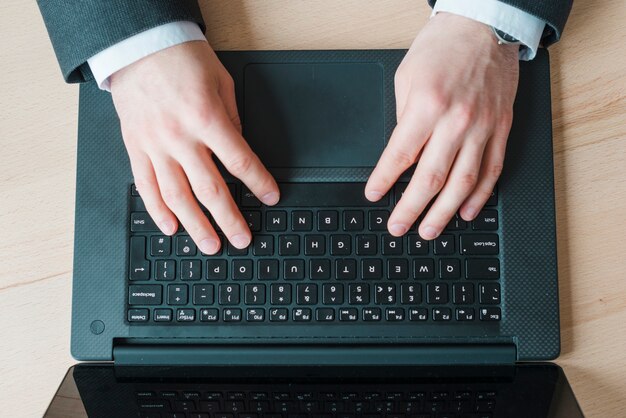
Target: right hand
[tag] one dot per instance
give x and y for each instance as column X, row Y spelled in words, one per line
column 176, row 108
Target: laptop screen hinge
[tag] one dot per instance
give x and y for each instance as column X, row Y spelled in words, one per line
column 312, row 354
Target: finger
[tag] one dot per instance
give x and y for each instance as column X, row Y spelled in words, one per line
column 490, row 170
column 227, row 93
column 177, row 195
column 460, row 184
column 210, row 188
column 429, row 177
column 146, row 184
column 235, row 154
column 405, row 143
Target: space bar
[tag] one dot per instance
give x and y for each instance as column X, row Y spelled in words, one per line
column 325, row 195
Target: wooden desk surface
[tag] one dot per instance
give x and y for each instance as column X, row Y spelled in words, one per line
column 38, row 116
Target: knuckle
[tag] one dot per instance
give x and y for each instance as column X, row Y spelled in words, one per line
column 207, row 192
column 240, row 165
column 401, row 157
column 464, row 115
column 433, row 181
column 494, row 171
column 174, row 198
column 436, row 101
column 468, row 181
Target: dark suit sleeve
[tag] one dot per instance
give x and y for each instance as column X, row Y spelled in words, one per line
column 553, row 12
column 79, row 29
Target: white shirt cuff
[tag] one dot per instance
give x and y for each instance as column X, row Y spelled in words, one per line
column 105, row 63
column 511, row 20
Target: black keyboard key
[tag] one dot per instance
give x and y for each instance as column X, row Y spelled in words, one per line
column 186, row 315
column 348, row 314
column 177, row 294
column 288, row 245
column 242, row 269
column 138, row 315
column 493, row 199
column 216, row 269
column 463, row 293
column 301, row 314
column 410, row 293
column 423, row 268
column 353, row 220
column 332, row 294
column 133, row 190
column 345, row 269
column 142, row 222
column 325, row 314
column 480, row 244
column 232, row 315
column 248, row 199
column 160, row 246
column 255, row 315
column 139, row 268
column 228, row 294
column 302, row 220
column 165, row 270
column 209, row 315
column 319, row 269
column 394, row 314
column 306, row 294
column 340, row 245
column 190, row 270
column 489, row 293
column 378, row 220
column 254, row 294
column 398, row 268
column 359, row 294
column 263, row 245
column 444, row 244
column 416, row 245
column 456, row 224
column 279, row 314
column 253, row 219
column 314, row 245
column 237, row 252
column 398, row 191
column 490, row 314
column 385, row 294
column 442, row 314
column 366, row 245
column 437, row 293
column 162, row 315
column 268, row 269
column 145, row 294
column 391, row 245
column 482, row 268
column 280, row 294
column 371, row 268
column 276, row 221
column 464, row 314
column 203, row 294
column 327, row 220
column 371, row 314
column 487, row 220
column 293, row 269
column 418, row 314
column 450, row 268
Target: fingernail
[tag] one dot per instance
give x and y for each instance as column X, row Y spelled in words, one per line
column 270, row 198
column 167, row 227
column 398, row 229
column 471, row 212
column 240, row 240
column 429, row 232
column 373, row 195
column 209, row 246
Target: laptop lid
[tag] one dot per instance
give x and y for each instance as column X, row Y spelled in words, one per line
column 525, row 390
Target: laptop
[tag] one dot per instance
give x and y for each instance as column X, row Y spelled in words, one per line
column 325, row 314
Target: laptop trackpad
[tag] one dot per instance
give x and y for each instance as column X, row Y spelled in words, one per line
column 314, row 114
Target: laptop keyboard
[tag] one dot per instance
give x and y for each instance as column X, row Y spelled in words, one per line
column 307, row 403
column 322, row 255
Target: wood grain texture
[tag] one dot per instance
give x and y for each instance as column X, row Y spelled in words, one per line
column 38, row 117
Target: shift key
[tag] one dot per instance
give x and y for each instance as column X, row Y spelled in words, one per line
column 480, row 244
column 148, row 294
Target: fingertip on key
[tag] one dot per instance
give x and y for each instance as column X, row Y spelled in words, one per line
column 373, row 195
column 270, row 198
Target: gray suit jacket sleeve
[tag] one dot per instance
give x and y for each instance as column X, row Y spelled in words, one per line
column 79, row 29
column 553, row 12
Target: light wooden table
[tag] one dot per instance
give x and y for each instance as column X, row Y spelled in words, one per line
column 38, row 117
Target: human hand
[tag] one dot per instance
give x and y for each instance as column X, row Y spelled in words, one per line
column 454, row 105
column 176, row 108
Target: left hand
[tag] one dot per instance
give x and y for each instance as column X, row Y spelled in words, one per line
column 454, row 105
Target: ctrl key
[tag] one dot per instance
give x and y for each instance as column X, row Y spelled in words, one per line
column 490, row 314
column 138, row 315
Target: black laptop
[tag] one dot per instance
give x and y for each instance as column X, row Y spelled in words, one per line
column 325, row 314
